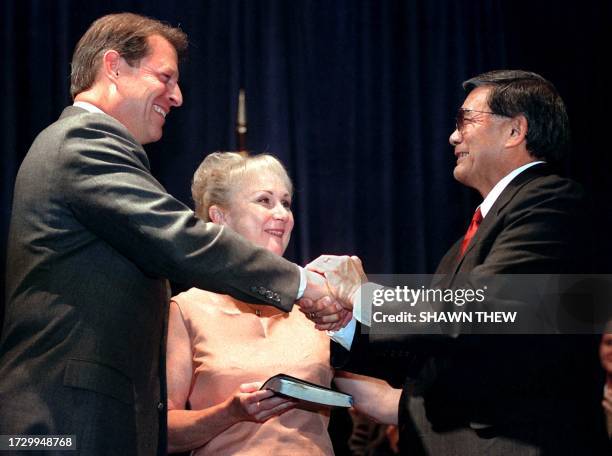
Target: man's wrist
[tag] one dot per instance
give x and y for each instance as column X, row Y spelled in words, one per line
column 362, row 310
column 303, row 283
column 344, row 336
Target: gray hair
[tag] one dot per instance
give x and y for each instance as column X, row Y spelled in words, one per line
column 220, row 172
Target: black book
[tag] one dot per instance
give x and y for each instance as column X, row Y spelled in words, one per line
column 296, row 388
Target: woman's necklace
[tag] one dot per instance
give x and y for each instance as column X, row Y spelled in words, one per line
column 255, row 310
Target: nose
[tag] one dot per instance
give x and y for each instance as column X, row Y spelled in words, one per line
column 455, row 137
column 176, row 96
column 280, row 212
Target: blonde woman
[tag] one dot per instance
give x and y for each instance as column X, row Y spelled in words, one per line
column 220, row 349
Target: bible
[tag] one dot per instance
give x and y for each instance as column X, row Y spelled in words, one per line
column 302, row 390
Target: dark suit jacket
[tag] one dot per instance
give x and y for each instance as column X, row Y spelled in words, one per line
column 538, row 390
column 93, row 239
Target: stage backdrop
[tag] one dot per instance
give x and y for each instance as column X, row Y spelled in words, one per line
column 356, row 98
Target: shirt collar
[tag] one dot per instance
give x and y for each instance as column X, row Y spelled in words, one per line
column 88, row 107
column 488, row 202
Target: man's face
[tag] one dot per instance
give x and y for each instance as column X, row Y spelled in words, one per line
column 148, row 90
column 479, row 143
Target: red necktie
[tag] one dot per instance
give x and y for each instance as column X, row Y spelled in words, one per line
column 475, row 223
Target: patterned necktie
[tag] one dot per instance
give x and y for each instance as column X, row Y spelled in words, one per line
column 475, row 223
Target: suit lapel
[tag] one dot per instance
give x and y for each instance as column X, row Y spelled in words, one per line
column 516, row 184
column 491, row 219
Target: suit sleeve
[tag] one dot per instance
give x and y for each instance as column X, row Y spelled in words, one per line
column 110, row 191
column 364, row 360
column 542, row 231
column 538, row 231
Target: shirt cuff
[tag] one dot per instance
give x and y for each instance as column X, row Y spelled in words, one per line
column 345, row 336
column 303, row 283
column 362, row 311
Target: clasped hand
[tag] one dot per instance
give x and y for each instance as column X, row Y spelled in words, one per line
column 343, row 276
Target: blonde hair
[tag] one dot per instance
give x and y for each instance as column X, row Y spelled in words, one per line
column 221, row 172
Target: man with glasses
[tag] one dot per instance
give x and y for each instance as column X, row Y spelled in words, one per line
column 498, row 394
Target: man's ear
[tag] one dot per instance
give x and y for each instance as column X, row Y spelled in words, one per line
column 111, row 61
column 518, row 131
column 216, row 215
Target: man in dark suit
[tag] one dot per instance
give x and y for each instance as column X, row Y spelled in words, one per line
column 94, row 239
column 496, row 394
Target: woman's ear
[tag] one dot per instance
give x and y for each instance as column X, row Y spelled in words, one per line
column 216, row 214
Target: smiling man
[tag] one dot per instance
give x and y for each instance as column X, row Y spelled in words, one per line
column 94, row 238
column 497, row 394
column 137, row 94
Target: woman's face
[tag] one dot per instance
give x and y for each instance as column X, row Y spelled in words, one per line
column 605, row 353
column 260, row 210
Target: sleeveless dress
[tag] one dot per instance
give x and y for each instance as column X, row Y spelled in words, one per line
column 232, row 343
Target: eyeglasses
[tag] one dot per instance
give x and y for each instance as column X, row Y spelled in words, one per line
column 460, row 117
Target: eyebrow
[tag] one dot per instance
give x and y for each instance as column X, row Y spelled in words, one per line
column 169, row 69
column 270, row 192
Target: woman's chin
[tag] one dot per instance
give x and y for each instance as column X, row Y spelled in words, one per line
column 276, row 247
column 273, row 245
column 277, row 250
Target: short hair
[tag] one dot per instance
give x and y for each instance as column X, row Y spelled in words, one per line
column 515, row 92
column 220, row 172
column 127, row 34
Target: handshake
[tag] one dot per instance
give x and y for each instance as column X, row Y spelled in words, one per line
column 333, row 282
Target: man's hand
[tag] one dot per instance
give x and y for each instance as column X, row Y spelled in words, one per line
column 326, row 313
column 344, row 276
column 333, row 282
column 316, row 287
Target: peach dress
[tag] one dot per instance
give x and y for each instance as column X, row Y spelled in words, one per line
column 232, row 343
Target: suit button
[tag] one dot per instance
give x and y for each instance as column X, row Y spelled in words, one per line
column 261, row 291
column 160, row 406
column 269, row 294
column 254, row 289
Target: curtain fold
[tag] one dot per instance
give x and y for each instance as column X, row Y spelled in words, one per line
column 357, row 98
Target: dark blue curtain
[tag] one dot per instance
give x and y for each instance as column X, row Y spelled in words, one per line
column 357, row 98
